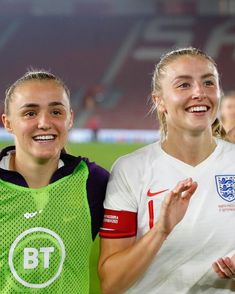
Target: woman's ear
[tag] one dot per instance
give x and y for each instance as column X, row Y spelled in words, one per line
column 159, row 103
column 6, row 122
column 71, row 119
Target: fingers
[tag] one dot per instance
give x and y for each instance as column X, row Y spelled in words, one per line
column 224, row 268
column 183, row 191
column 218, row 271
column 185, row 188
column 229, row 264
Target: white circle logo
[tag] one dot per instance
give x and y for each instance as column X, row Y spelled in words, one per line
column 36, row 257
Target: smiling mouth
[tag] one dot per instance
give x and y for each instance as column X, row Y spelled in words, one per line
column 44, row 138
column 198, row 109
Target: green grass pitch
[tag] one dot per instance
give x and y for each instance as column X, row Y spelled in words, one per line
column 103, row 154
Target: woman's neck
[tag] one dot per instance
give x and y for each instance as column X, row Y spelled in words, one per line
column 189, row 149
column 36, row 174
column 228, row 125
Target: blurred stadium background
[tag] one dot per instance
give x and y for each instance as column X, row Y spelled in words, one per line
column 105, row 50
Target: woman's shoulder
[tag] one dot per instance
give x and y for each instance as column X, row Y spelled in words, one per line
column 226, row 146
column 138, row 158
column 71, row 161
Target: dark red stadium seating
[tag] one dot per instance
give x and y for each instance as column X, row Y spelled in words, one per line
column 82, row 50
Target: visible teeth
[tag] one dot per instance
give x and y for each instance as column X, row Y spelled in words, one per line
column 197, row 108
column 44, row 137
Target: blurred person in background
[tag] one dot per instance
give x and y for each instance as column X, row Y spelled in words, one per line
column 51, row 203
column 227, row 111
column 230, row 136
column 93, row 124
column 169, row 212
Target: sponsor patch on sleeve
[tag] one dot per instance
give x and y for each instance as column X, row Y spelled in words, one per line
column 118, row 224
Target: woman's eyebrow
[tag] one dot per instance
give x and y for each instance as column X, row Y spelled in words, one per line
column 207, row 75
column 56, row 103
column 31, row 105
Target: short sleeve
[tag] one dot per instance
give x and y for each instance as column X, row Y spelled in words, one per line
column 120, row 193
column 120, row 216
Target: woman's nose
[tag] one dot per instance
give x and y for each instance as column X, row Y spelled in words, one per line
column 198, row 92
column 44, row 122
column 199, row 96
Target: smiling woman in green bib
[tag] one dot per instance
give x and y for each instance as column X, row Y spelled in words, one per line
column 50, row 201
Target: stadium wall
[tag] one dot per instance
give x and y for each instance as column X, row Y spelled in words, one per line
column 102, row 135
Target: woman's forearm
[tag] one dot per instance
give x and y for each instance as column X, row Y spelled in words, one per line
column 121, row 270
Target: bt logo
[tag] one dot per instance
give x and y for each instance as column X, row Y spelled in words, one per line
column 36, row 257
column 31, row 259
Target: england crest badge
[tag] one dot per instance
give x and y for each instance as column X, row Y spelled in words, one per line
column 225, row 185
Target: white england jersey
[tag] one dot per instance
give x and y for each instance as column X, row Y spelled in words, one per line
column 140, row 181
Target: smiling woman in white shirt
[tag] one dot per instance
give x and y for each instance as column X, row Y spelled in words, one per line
column 170, row 206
